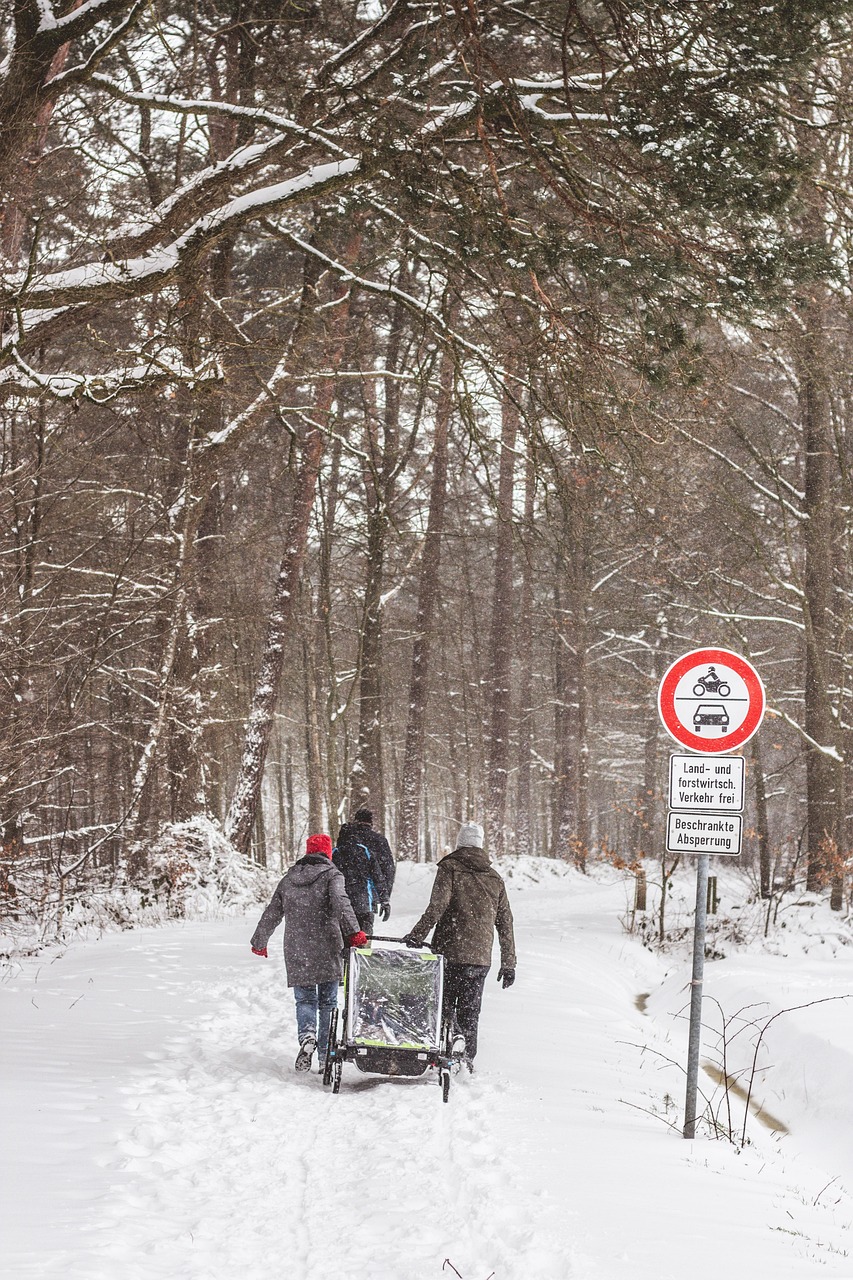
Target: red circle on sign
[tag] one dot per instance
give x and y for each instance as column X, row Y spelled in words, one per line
column 698, row 658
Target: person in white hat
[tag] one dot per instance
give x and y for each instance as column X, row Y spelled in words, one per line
column 468, row 903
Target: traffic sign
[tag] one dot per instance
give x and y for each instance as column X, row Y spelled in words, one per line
column 711, row 701
column 706, row 783
column 704, row 833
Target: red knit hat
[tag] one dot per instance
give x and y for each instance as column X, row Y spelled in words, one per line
column 319, row 844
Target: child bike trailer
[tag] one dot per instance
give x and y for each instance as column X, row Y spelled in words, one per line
column 391, row 1020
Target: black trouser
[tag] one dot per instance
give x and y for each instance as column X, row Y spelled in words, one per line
column 463, row 995
column 365, row 922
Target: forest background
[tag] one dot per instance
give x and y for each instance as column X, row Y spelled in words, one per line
column 388, row 393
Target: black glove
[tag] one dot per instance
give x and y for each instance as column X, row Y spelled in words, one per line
column 410, row 940
column 384, row 911
column 507, row 977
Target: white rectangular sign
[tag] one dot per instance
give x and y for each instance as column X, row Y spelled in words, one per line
column 708, row 784
column 704, row 833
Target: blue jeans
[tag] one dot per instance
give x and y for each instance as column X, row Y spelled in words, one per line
column 321, row 998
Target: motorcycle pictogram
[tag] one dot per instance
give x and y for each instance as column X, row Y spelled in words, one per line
column 711, row 683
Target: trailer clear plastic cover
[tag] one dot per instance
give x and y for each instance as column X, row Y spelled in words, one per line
column 395, row 998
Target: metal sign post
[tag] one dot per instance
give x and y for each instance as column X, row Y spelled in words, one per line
column 694, row 1038
column 710, row 701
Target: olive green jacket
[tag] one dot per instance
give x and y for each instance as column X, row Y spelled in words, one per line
column 468, row 903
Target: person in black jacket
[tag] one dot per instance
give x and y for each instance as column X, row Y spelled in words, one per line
column 379, row 848
column 364, row 875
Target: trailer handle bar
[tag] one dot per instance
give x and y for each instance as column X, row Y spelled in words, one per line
column 377, row 937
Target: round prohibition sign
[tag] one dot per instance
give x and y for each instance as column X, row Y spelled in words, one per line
column 711, row 701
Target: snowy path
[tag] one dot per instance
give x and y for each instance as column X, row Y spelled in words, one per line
column 158, row 1130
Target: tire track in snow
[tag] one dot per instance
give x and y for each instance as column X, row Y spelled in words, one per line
column 239, row 1164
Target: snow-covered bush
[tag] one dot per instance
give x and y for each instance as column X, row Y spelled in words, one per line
column 195, row 873
column 189, row 871
column 525, row 869
column 794, row 923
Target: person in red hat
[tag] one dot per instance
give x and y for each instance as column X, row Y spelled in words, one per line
column 311, row 900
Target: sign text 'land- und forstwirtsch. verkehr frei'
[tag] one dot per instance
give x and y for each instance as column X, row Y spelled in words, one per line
column 705, row 783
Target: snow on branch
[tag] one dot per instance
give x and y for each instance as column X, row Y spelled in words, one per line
column 237, row 426
column 85, row 69
column 590, row 82
column 191, row 197
column 350, row 50
column 830, row 752
column 101, row 387
column 750, row 479
column 209, row 107
column 422, row 309
column 744, row 617
column 107, row 281
column 47, row 20
column 76, row 23
column 530, row 103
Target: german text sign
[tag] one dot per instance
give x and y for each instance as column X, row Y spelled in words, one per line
column 704, row 833
column 711, row 701
column 706, row 783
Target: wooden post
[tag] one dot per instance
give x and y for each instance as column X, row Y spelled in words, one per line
column 640, row 890
column 713, row 900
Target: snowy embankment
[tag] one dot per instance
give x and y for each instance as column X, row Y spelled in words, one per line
column 155, row 1128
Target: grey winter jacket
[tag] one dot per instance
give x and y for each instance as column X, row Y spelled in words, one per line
column 467, row 905
column 318, row 917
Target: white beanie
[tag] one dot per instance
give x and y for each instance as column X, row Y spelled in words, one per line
column 470, row 836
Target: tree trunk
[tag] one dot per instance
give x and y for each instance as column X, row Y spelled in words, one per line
column 579, row 536
column 380, row 473
column 762, row 829
column 140, row 801
column 283, row 824
column 581, row 839
column 502, row 634
column 413, row 764
column 244, row 802
column 16, row 209
column 561, row 815
column 367, row 787
column 822, row 820
column 524, row 826
column 645, row 806
column 329, row 505
column 291, row 808
column 312, row 743
column 812, row 345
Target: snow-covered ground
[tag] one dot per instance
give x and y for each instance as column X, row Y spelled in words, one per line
column 154, row 1127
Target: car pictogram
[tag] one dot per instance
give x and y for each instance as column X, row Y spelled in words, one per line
column 710, row 713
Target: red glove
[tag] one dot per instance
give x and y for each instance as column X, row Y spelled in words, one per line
column 358, row 939
column 262, row 952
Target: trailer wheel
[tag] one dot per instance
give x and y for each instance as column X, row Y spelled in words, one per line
column 445, row 1085
column 337, row 1072
column 333, row 1036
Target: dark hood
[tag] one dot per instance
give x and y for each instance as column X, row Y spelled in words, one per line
column 350, row 833
column 309, row 869
column 471, row 859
